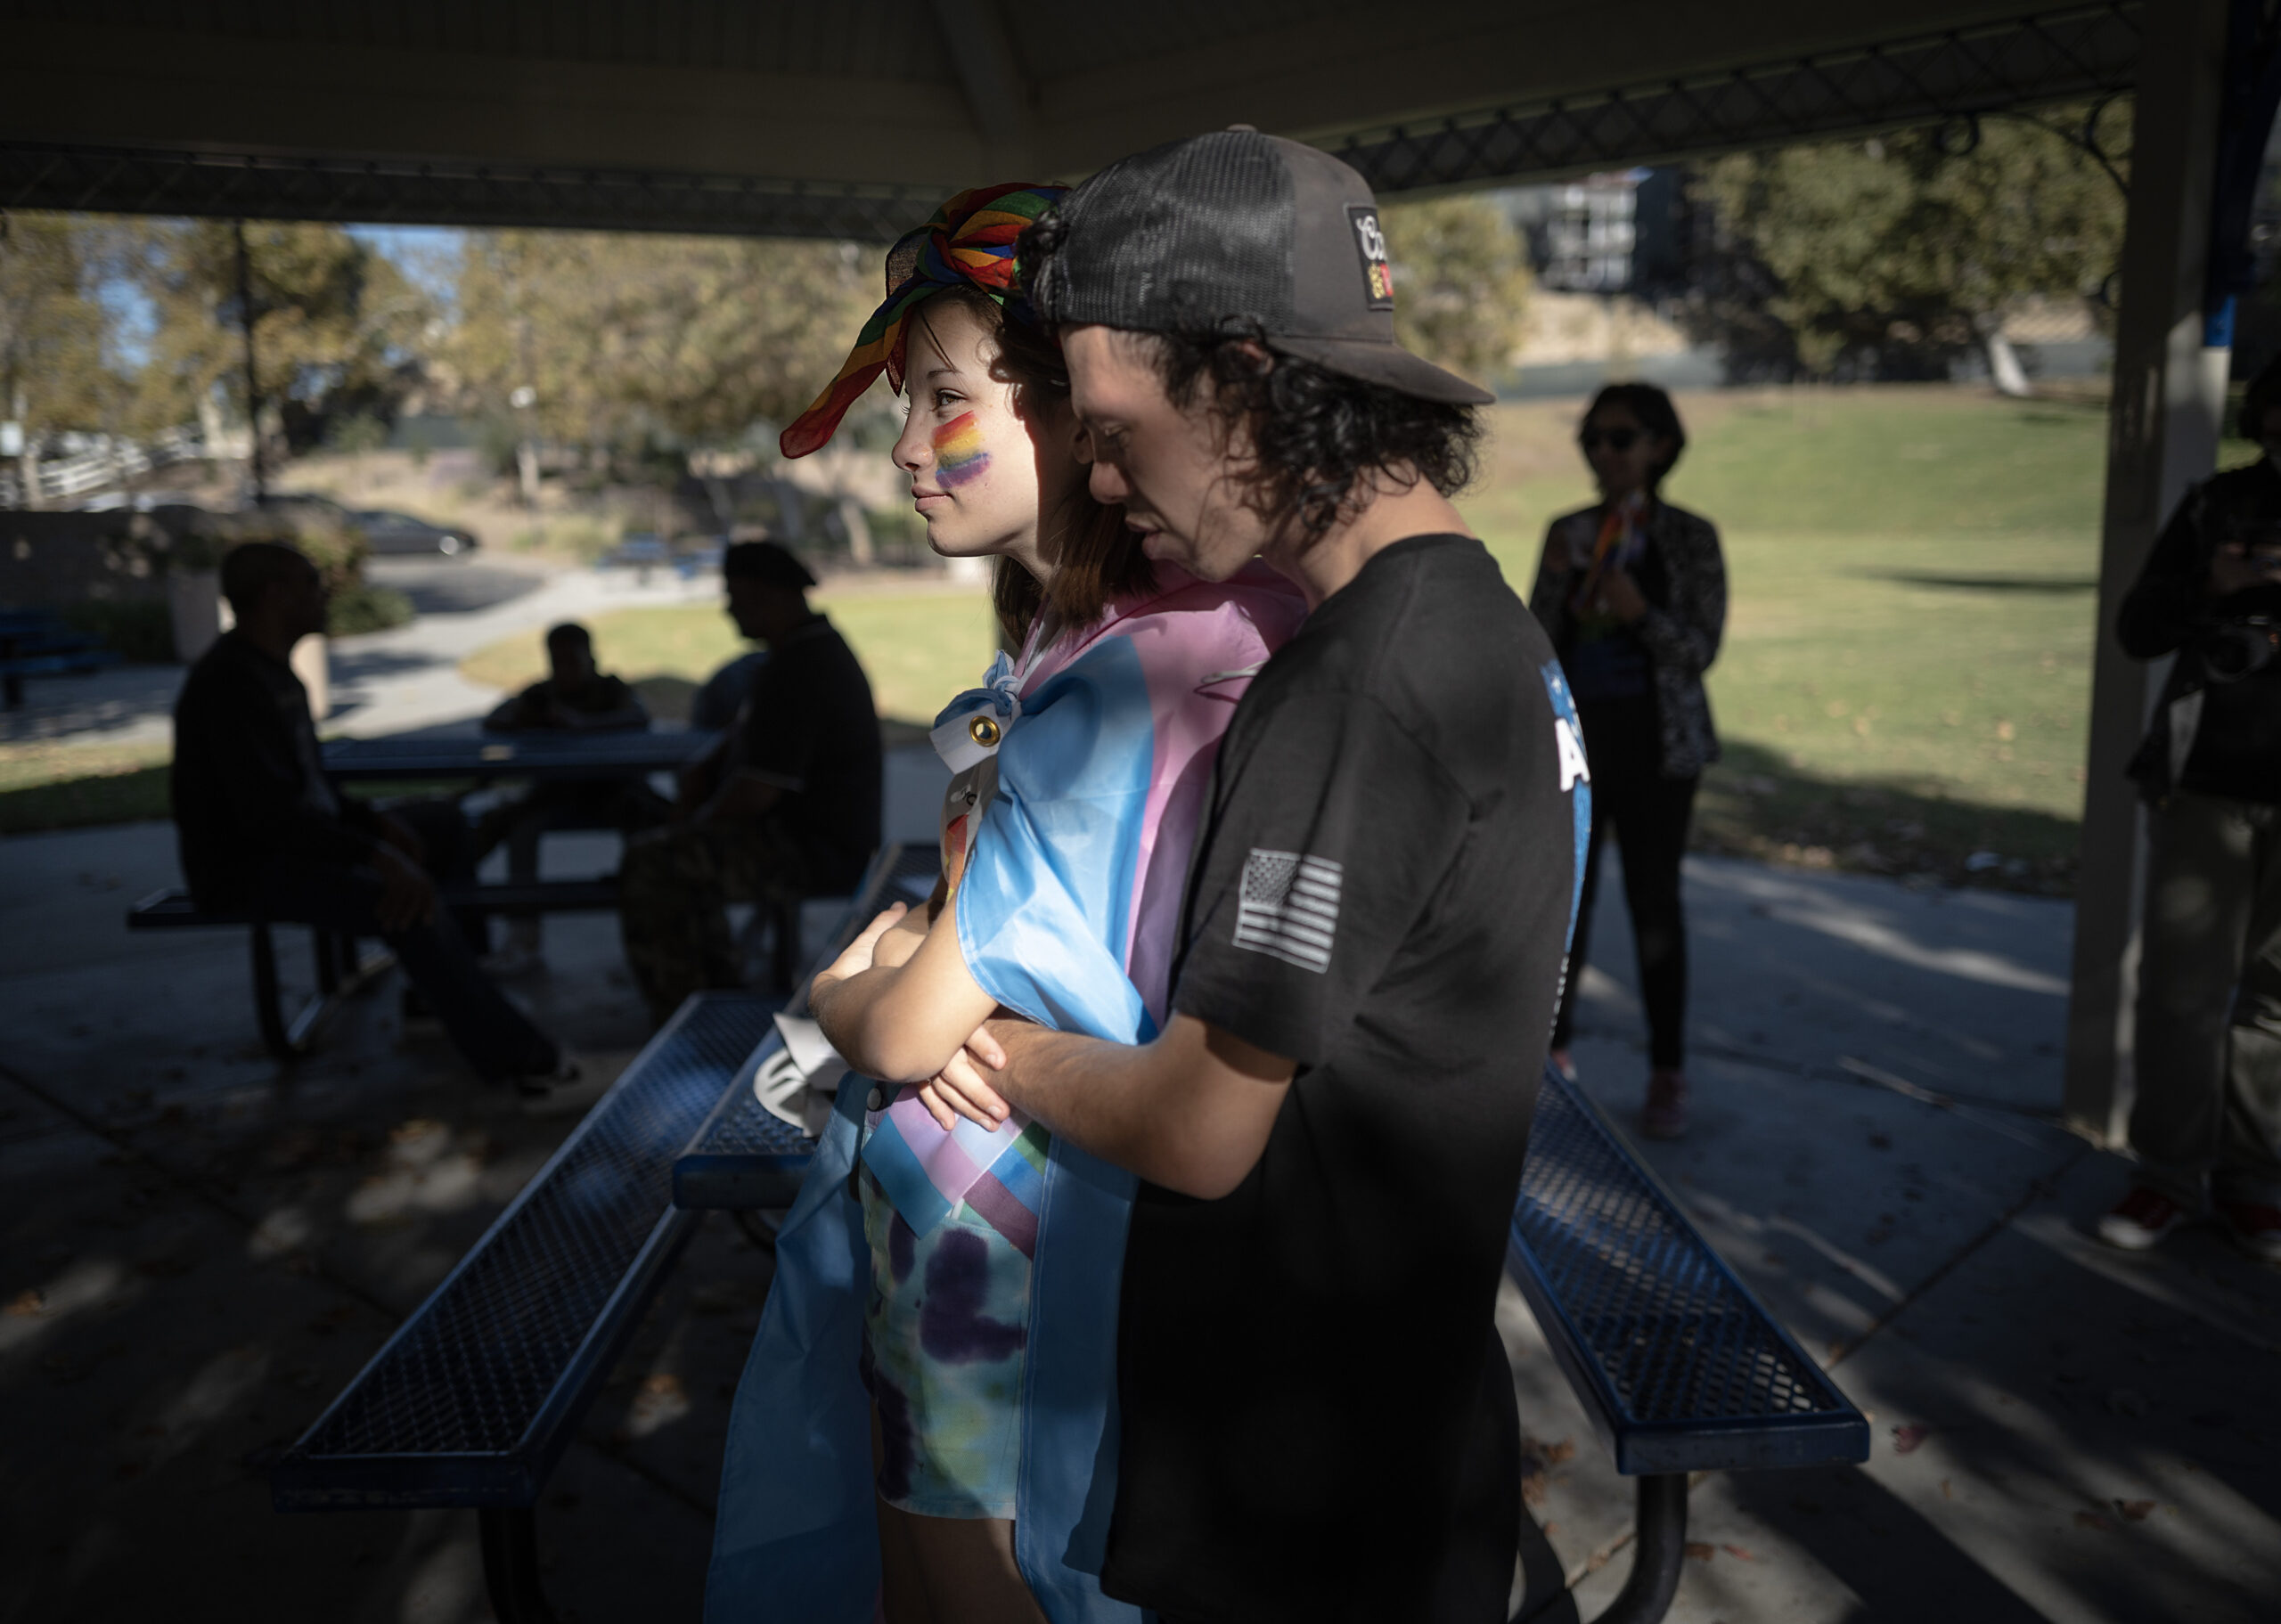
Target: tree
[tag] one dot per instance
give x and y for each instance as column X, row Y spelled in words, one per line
column 335, row 323
column 53, row 374
column 1461, row 283
column 621, row 338
column 1891, row 257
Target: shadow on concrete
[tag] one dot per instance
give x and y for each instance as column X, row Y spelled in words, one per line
column 1980, row 583
column 362, row 664
column 1755, row 803
column 1899, row 1565
column 85, row 707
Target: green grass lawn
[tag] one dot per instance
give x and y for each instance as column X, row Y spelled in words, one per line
column 919, row 646
column 1912, row 571
column 73, row 785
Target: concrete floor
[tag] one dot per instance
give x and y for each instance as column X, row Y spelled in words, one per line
column 2061, row 1431
column 198, row 1249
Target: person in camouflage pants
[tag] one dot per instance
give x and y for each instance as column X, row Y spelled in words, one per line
column 674, row 892
column 785, row 804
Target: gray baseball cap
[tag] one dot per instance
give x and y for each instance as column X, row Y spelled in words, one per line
column 1239, row 232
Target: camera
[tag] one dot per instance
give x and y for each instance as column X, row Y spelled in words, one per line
column 2235, row 648
column 2245, row 638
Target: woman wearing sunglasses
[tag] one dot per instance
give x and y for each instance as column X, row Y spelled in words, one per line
column 1633, row 594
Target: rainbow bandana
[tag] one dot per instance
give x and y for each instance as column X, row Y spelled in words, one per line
column 969, row 243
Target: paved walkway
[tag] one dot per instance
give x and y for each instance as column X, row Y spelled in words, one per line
column 390, row 681
column 198, row 1249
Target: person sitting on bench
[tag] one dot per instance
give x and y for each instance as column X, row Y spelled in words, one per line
column 263, row 832
column 578, row 697
column 786, row 805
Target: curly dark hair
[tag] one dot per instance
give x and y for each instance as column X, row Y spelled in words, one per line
column 1315, row 435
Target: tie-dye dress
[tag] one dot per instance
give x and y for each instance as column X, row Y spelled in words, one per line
column 972, row 1289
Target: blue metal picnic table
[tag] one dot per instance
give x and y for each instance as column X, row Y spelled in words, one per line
column 557, row 756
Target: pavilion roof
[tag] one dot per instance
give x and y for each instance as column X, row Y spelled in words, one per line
column 852, row 117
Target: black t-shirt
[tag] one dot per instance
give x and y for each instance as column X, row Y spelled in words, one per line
column 248, row 780
column 1382, row 894
column 808, row 725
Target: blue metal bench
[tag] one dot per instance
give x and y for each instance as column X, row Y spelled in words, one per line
column 474, row 1398
column 39, row 645
column 1678, row 1365
column 341, row 971
column 744, row 1158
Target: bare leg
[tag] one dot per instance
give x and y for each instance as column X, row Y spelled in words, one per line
column 967, row 1566
column 903, row 1588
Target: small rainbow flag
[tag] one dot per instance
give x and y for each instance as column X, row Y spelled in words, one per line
column 958, row 453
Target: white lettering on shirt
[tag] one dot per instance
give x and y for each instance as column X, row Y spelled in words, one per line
column 1572, row 764
column 1288, row 907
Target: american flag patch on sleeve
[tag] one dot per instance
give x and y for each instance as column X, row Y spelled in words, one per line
column 1289, row 907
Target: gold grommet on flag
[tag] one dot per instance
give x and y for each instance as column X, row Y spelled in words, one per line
column 983, row 730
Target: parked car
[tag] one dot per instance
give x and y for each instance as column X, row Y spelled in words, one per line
column 386, row 530
column 308, row 504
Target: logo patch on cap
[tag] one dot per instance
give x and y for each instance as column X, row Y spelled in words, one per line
column 1371, row 242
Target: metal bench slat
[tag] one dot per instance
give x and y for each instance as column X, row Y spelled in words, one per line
column 473, row 1399
column 744, row 1158
column 1680, row 1366
column 173, row 907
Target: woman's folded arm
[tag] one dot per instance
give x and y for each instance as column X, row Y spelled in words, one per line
column 900, row 1022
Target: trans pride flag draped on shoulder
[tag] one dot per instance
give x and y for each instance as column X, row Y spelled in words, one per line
column 1067, row 912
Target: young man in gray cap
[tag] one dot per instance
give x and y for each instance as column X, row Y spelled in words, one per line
column 1317, row 1418
column 786, row 803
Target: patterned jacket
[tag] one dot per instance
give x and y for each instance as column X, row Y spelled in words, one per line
column 1681, row 636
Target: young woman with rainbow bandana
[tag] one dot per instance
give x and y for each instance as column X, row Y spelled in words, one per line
column 944, row 1306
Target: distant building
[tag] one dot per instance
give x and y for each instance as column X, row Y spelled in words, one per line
column 1620, row 232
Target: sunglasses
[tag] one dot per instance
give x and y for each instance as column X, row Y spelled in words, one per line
column 1615, row 439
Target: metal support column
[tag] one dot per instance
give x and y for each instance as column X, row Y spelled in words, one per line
column 1658, row 1553
column 2162, row 429
column 510, row 1567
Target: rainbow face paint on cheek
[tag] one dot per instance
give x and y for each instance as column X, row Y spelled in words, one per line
column 958, row 455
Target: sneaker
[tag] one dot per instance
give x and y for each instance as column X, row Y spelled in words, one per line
column 1664, row 1115
column 2256, row 1229
column 570, row 1088
column 2141, row 1219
